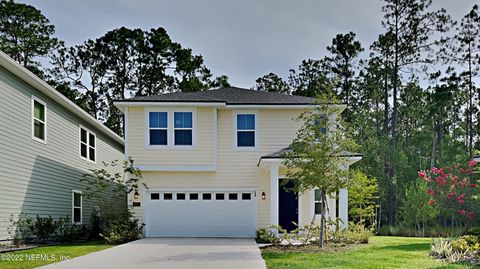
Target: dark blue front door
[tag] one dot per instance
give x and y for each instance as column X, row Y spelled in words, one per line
column 287, row 206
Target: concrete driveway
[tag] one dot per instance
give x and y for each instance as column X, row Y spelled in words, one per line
column 173, row 253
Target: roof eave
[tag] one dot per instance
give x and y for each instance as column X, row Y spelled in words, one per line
column 28, row 77
column 122, row 104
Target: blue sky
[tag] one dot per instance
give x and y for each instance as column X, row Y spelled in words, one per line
column 241, row 39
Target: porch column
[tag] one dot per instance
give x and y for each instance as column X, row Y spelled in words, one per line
column 343, row 207
column 274, row 169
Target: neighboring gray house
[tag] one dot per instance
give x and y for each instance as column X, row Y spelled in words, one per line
column 47, row 143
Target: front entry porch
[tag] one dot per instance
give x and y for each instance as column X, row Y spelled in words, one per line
column 300, row 208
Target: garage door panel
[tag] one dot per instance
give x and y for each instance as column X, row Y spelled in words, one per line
column 201, row 218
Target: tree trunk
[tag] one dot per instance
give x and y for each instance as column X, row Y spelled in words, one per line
column 434, row 145
column 391, row 169
column 322, row 221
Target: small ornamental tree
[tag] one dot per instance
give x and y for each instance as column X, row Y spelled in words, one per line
column 119, row 184
column 454, row 192
column 318, row 152
column 362, row 196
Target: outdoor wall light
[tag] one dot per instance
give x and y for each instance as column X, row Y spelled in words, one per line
column 264, row 195
column 136, row 195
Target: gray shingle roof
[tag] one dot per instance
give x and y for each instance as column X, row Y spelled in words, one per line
column 281, row 153
column 228, row 95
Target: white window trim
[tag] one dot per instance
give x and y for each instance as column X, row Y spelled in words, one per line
column 174, row 129
column 73, row 207
column 148, row 129
column 171, row 129
column 34, row 98
column 235, row 130
column 80, row 127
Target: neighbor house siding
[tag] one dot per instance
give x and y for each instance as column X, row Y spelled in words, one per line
column 38, row 178
column 236, row 169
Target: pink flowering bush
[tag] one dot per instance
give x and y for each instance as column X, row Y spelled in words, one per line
column 454, row 192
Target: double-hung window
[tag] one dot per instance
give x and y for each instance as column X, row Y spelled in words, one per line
column 318, row 202
column 77, row 207
column 39, row 120
column 245, row 130
column 321, row 123
column 87, row 145
column 158, row 128
column 183, row 128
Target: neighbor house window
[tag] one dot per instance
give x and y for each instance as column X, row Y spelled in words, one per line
column 183, row 128
column 39, row 120
column 87, row 145
column 245, row 130
column 321, row 122
column 318, row 202
column 158, row 128
column 77, row 207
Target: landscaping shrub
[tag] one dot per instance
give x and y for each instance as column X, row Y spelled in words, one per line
column 126, row 228
column 441, row 248
column 432, row 231
column 473, row 231
column 20, row 229
column 43, row 228
column 66, row 231
column 267, row 236
column 468, row 243
column 355, row 233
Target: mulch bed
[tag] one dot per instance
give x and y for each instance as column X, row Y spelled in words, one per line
column 309, row 248
column 11, row 247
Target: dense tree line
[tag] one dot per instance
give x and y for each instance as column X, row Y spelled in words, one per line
column 412, row 100
column 122, row 63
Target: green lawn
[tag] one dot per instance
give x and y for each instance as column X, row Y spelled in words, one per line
column 44, row 255
column 381, row 252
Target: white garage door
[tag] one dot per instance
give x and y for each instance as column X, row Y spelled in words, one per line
column 200, row 214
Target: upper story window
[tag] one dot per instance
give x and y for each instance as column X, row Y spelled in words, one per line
column 87, row 145
column 183, row 128
column 158, row 128
column 245, row 130
column 170, row 128
column 39, row 120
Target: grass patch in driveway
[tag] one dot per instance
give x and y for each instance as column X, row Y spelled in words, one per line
column 31, row 258
column 381, row 252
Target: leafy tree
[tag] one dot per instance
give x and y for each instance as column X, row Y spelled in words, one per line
column 465, row 52
column 128, row 62
column 411, row 29
column 84, row 67
column 25, row 33
column 344, row 50
column 415, row 210
column 311, row 79
column 220, row 82
column 271, row 82
column 362, row 195
column 453, row 192
column 104, row 180
column 317, row 154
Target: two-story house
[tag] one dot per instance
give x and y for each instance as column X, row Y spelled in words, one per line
column 47, row 144
column 213, row 165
